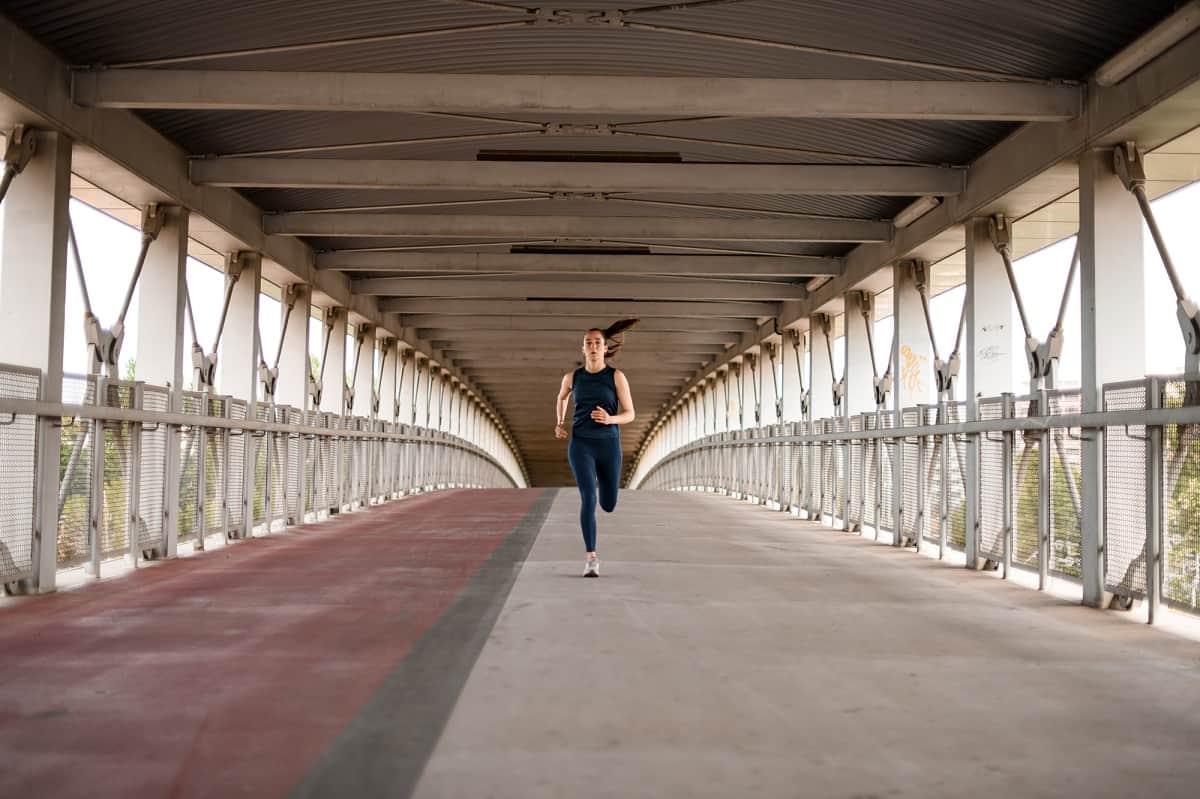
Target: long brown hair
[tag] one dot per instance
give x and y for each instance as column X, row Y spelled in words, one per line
column 612, row 335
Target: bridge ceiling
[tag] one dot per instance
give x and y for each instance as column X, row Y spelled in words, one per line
column 500, row 230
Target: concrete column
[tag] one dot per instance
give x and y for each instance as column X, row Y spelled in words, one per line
column 364, row 377
column 768, row 384
column 427, row 408
column 989, row 352
column 237, row 367
column 791, row 377
column 161, row 315
column 912, row 356
column 420, row 366
column 858, row 369
column 387, row 385
column 33, row 281
column 294, row 364
column 238, row 360
column 1113, row 322
column 160, row 344
column 821, row 370
column 912, row 372
column 402, row 392
column 333, row 367
column 990, row 318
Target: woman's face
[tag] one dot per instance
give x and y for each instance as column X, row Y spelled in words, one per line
column 593, row 344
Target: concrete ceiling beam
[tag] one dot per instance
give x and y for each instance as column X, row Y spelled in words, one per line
column 616, row 309
column 578, row 289
column 575, row 94
column 538, row 176
column 478, row 226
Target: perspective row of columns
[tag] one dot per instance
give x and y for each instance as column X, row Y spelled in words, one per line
column 1112, row 338
column 34, row 261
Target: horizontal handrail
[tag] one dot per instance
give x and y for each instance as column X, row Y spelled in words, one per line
column 1094, row 420
column 57, row 410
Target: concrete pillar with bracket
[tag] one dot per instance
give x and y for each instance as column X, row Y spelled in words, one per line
column 294, row 363
column 912, row 372
column 333, row 366
column 163, row 354
column 237, row 367
column 988, row 354
column 33, row 278
column 1113, row 321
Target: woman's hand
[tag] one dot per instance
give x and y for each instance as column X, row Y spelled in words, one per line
column 560, row 431
column 601, row 416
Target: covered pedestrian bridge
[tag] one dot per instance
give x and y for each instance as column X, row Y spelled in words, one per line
column 286, row 292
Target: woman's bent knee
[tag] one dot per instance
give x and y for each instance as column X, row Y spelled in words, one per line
column 608, row 505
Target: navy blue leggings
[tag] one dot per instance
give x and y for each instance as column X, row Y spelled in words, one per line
column 595, row 461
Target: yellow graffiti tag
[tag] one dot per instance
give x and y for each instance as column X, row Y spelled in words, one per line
column 912, row 370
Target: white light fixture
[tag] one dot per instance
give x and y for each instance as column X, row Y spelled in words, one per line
column 1150, row 45
column 918, row 209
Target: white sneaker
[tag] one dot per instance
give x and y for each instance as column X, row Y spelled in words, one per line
column 592, row 568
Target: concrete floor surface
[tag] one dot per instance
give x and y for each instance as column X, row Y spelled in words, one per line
column 731, row 651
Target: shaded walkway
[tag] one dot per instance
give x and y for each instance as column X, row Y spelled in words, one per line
column 725, row 651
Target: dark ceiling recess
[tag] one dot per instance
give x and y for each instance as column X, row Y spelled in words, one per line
column 566, row 249
column 577, row 156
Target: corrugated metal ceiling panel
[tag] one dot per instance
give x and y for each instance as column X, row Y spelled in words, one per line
column 1063, row 39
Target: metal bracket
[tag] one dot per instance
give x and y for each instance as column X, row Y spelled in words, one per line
column 205, row 367
column 577, row 129
column 571, row 196
column 268, row 376
column 19, row 148
column 574, row 16
column 1130, row 165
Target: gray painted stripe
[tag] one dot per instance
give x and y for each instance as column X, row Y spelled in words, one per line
column 384, row 749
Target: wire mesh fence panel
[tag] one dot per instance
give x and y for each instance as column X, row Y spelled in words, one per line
column 857, row 448
column 76, row 451
column 235, row 466
column 189, row 521
column 840, row 469
column 329, row 464
column 119, row 472
column 827, row 468
column 910, row 458
column 870, row 471
column 344, row 492
column 956, row 481
column 931, row 472
column 295, row 469
column 1026, row 490
column 152, row 474
column 1066, row 490
column 1125, row 470
column 18, row 475
column 216, row 469
column 262, row 446
column 992, row 494
column 1180, row 483
column 279, row 468
column 888, row 454
column 787, row 468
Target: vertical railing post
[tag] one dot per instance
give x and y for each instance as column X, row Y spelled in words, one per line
column 1154, row 501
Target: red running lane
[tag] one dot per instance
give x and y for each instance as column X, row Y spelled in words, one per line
column 227, row 674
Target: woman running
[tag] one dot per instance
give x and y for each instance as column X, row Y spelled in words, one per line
column 599, row 391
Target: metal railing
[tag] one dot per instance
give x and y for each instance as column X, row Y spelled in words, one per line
column 134, row 475
column 909, row 482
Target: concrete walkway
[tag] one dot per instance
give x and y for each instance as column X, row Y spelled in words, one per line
column 446, row 646
column 728, row 651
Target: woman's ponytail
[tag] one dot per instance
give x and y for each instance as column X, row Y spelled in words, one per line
column 612, row 335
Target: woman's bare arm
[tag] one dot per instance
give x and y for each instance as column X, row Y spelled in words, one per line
column 624, row 402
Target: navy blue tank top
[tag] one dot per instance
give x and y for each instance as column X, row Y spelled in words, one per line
column 591, row 391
